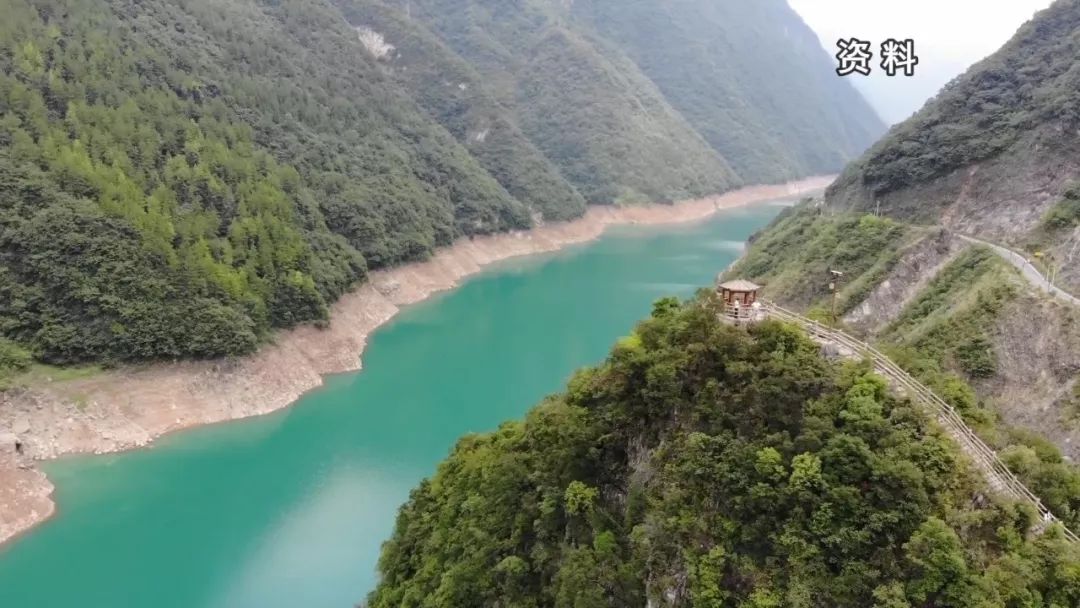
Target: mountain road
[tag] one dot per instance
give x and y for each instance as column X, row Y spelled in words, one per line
column 1029, row 272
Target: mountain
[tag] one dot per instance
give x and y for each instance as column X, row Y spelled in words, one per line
column 703, row 465
column 453, row 92
column 956, row 314
column 179, row 179
column 995, row 156
column 758, row 54
column 706, row 465
column 725, row 69
column 181, row 176
column 587, row 108
column 995, row 153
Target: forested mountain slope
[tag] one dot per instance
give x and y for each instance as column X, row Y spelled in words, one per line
column 996, row 153
column 769, row 101
column 705, row 465
column 178, row 179
column 953, row 314
column 588, row 108
column 727, row 69
column 456, row 94
column 182, row 176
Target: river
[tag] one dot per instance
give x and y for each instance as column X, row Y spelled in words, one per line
column 289, row 510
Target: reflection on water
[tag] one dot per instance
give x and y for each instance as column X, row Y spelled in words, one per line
column 311, row 527
column 736, row 247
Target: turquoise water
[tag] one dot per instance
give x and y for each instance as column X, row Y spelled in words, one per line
column 289, row 510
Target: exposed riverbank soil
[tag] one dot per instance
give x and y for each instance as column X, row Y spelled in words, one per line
column 129, row 407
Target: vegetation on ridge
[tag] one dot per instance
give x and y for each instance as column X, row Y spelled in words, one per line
column 795, row 254
column 946, row 335
column 1065, row 214
column 588, row 109
column 1026, row 87
column 142, row 218
column 704, row 465
column 951, row 320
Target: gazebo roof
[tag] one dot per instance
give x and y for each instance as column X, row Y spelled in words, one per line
column 740, row 285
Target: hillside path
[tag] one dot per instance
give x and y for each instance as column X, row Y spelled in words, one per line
column 1032, row 274
column 997, row 473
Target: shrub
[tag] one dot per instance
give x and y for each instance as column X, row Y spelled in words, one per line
column 13, row 357
column 1065, row 214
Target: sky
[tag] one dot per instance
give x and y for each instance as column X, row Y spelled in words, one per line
column 949, row 36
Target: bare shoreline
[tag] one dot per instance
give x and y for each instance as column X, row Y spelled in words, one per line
column 128, row 408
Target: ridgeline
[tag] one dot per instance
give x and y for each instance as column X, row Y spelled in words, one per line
column 706, row 465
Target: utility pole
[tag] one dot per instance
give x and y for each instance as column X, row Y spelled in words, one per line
column 834, row 280
column 1049, row 261
column 1050, row 274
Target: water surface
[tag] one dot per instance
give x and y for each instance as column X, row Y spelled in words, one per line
column 289, row 510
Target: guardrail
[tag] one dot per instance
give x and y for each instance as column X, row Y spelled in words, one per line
column 1000, row 478
column 1029, row 271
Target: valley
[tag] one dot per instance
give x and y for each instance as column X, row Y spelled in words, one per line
column 292, row 507
column 511, row 215
column 129, row 407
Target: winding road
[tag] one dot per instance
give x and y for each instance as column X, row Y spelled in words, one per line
column 1032, row 274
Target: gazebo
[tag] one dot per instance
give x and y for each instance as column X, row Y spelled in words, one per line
column 740, row 299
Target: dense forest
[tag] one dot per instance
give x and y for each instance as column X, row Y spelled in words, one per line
column 589, row 109
column 455, row 93
column 705, row 465
column 758, row 52
column 160, row 201
column 178, row 179
column 724, row 69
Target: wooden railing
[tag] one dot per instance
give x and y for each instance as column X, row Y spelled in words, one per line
column 998, row 475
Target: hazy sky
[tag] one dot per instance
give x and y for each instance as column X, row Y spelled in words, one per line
column 949, row 36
